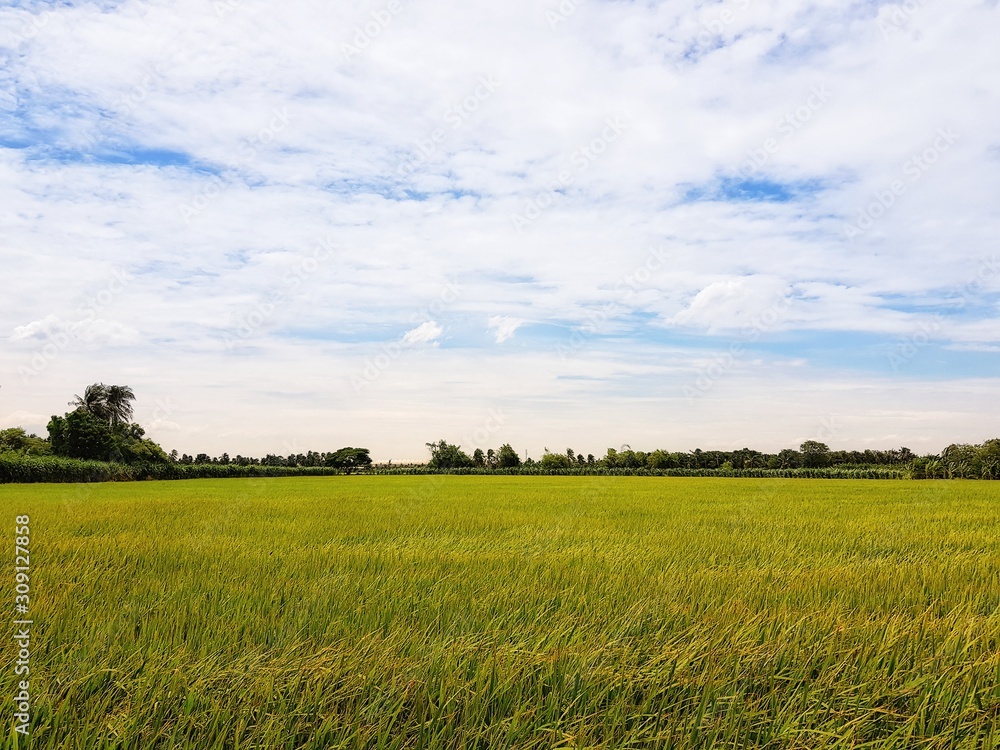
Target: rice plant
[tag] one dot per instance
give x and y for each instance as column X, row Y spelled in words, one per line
column 512, row 612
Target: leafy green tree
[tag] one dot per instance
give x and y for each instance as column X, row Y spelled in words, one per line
column 100, row 428
column 815, row 454
column 790, row 459
column 659, row 460
column 552, row 461
column 963, row 461
column 349, row 459
column 989, row 458
column 16, row 440
column 81, row 434
column 446, row 456
column 478, row 457
column 131, row 450
column 13, row 439
column 630, row 459
column 747, row 459
column 507, row 457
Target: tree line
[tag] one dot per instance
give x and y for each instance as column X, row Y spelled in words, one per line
column 956, row 461
column 99, row 429
column 344, row 458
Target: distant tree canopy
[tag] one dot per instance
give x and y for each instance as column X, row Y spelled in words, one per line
column 815, row 455
column 100, row 429
column 349, row 459
column 556, row 461
column 507, row 457
column 16, row 440
column 111, row 404
column 963, row 460
column 447, row 456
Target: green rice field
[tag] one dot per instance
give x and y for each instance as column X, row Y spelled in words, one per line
column 510, row 612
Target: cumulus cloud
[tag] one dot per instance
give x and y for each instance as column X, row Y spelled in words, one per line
column 736, row 303
column 38, row 329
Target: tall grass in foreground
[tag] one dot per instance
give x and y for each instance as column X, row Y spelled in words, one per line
column 535, row 612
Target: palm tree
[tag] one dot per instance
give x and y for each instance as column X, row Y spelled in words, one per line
column 93, row 401
column 109, row 403
column 119, row 400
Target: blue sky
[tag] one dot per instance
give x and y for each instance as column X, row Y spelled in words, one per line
column 694, row 224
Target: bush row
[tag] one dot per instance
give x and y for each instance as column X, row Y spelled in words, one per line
column 19, row 468
column 535, row 470
column 55, row 469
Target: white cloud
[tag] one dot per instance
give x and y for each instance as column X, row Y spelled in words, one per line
column 193, row 98
column 736, row 303
column 163, row 425
column 989, row 348
column 423, row 334
column 38, row 329
column 21, row 418
column 503, row 326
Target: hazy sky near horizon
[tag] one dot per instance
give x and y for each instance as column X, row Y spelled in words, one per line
column 556, row 224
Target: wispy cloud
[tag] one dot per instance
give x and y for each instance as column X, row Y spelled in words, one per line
column 424, row 333
column 503, row 327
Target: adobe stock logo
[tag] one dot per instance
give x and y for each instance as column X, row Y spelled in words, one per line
column 59, row 339
column 893, row 18
column 371, row 30
column 248, row 151
column 456, row 116
column 786, row 126
column 582, row 158
column 914, row 168
column 561, row 14
column 427, row 331
column 712, row 373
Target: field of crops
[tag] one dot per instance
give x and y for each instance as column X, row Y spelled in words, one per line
column 511, row 612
